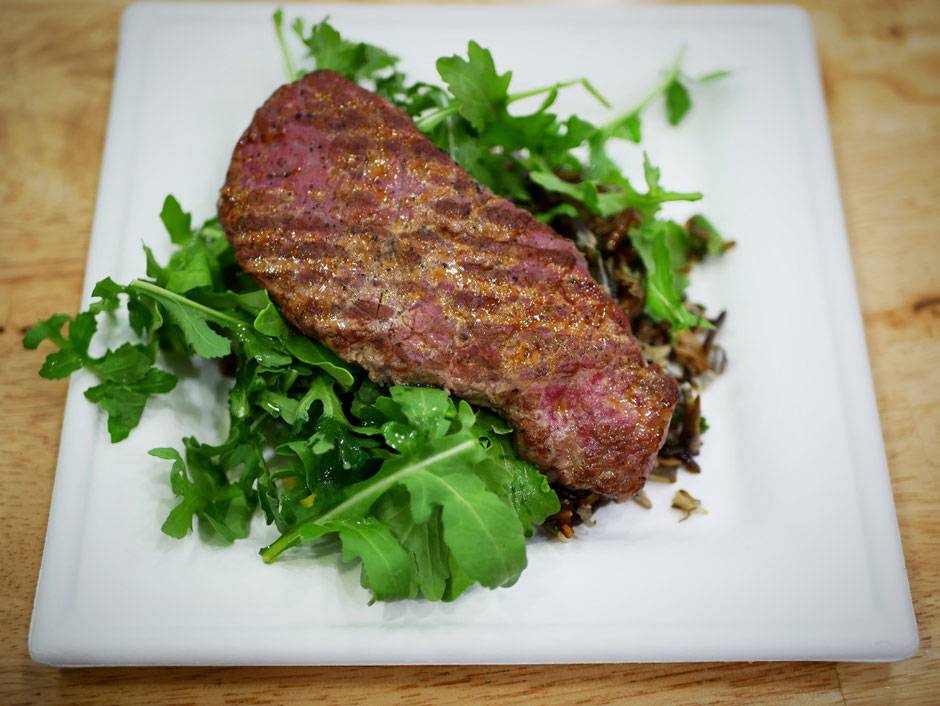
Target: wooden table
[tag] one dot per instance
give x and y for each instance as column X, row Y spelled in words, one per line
column 881, row 69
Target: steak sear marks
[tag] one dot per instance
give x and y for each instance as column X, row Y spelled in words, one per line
column 376, row 243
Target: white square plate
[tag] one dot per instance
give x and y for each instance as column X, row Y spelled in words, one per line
column 799, row 556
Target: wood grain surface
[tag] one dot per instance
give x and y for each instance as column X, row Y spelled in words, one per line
column 881, row 70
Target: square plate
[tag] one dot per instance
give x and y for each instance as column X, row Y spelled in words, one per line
column 799, row 556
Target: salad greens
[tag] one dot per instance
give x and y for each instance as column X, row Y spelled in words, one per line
column 523, row 156
column 425, row 490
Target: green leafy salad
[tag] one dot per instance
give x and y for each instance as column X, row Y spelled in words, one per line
column 424, row 489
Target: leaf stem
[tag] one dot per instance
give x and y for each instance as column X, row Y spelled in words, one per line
column 152, row 289
column 660, row 89
column 430, row 121
column 558, row 86
column 279, row 28
column 285, row 541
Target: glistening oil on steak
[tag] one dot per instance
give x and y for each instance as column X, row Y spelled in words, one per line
column 377, row 244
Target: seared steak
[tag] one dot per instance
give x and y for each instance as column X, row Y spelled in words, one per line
column 376, row 243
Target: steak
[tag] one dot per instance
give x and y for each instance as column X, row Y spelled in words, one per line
column 373, row 241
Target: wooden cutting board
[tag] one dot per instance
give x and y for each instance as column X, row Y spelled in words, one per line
column 881, row 71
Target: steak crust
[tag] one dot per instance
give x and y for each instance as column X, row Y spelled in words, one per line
column 374, row 242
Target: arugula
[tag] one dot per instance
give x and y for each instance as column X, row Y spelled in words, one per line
column 127, row 373
column 418, row 487
column 519, row 155
column 673, row 88
column 497, row 148
column 429, row 496
column 424, row 490
column 355, row 60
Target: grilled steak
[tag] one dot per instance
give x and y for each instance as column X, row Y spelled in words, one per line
column 376, row 243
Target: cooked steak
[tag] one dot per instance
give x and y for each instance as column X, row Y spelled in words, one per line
column 373, row 241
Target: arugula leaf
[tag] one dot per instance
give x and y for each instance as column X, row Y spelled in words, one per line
column 422, row 406
column 663, row 287
column 193, row 272
column 269, row 322
column 308, row 351
column 627, row 126
column 205, row 494
column 192, row 318
column 614, row 194
column 519, row 482
column 354, row 60
column 180, row 520
column 178, row 224
column 424, row 542
column 124, row 402
column 73, row 350
column 387, row 568
column 678, row 101
column 107, row 291
column 474, row 82
column 125, row 364
column 127, row 375
column 481, row 531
